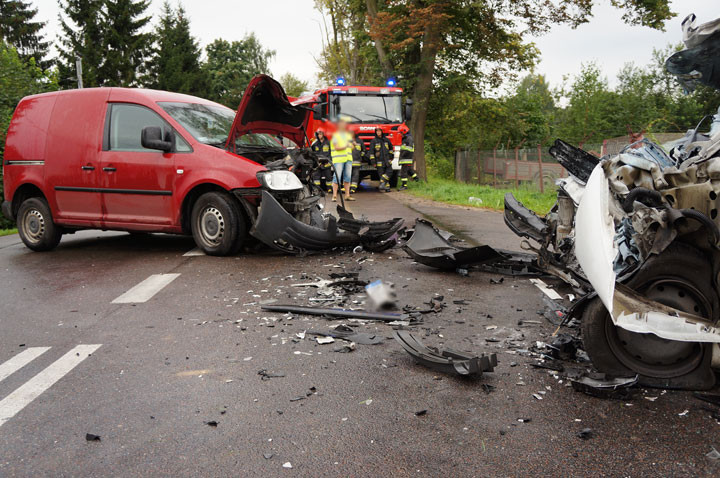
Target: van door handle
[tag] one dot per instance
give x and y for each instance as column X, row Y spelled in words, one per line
column 88, row 168
column 109, row 169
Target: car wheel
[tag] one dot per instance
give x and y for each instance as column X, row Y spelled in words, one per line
column 680, row 277
column 218, row 226
column 36, row 227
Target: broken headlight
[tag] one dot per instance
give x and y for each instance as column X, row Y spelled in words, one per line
column 279, row 180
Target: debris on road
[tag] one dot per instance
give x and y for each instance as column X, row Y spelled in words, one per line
column 348, row 333
column 585, row 433
column 340, row 313
column 324, row 340
column 92, row 437
column 420, row 413
column 212, row 423
column 447, row 361
column 265, row 375
column 618, row 388
column 381, row 295
column 713, row 454
column 708, row 397
column 287, row 465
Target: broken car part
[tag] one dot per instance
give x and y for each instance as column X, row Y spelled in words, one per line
column 447, row 361
column 340, row 313
column 618, row 388
column 347, row 333
column 277, row 228
column 427, row 246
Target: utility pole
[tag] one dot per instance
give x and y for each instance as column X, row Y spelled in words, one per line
column 78, row 68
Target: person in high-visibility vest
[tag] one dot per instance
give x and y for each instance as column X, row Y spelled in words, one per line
column 407, row 152
column 341, row 148
column 381, row 154
column 322, row 176
column 357, row 159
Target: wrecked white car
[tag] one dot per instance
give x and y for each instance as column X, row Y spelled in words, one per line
column 637, row 234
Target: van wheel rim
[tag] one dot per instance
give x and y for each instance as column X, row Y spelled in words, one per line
column 34, row 225
column 212, row 226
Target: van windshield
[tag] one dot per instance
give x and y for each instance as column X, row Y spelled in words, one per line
column 211, row 124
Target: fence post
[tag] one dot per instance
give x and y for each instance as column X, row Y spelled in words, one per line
column 542, row 179
column 494, row 167
column 517, row 178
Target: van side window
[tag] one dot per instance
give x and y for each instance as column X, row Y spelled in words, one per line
column 126, row 124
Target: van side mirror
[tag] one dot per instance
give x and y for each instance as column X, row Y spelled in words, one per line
column 152, row 138
column 408, row 110
column 317, row 111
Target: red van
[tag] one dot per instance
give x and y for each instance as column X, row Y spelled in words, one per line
column 153, row 161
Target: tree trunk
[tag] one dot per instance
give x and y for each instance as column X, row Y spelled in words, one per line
column 385, row 65
column 421, row 97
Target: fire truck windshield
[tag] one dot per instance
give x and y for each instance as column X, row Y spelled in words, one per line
column 369, row 108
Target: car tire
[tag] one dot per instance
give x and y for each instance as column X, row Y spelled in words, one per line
column 36, row 227
column 218, row 225
column 680, row 277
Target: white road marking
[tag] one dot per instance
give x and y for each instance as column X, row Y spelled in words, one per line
column 20, row 360
column 551, row 293
column 195, row 252
column 33, row 388
column 145, row 290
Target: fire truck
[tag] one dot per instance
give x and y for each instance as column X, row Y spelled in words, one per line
column 369, row 107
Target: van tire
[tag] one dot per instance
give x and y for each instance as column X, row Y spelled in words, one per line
column 36, row 227
column 217, row 224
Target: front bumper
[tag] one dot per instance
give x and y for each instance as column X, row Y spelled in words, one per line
column 7, row 210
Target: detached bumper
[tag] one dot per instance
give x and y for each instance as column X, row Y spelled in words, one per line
column 7, row 210
column 523, row 221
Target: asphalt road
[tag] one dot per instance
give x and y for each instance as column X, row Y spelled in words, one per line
column 158, row 371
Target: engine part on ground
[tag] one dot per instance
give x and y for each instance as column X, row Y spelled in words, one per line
column 427, row 246
column 446, row 361
column 600, row 386
column 279, row 229
column 340, row 313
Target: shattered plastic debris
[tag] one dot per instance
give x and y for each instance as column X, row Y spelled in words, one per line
column 714, row 454
column 331, row 312
column 585, row 433
column 265, row 375
column 92, row 437
column 447, row 361
column 287, row 464
column 617, row 388
column 324, row 340
column 212, row 423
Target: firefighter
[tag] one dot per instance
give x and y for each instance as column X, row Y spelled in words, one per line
column 341, row 149
column 407, row 150
column 358, row 155
column 381, row 153
column 322, row 176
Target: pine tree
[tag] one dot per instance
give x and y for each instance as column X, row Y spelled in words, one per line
column 125, row 45
column 176, row 65
column 18, row 29
column 82, row 35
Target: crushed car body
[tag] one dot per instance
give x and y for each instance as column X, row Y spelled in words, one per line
column 637, row 234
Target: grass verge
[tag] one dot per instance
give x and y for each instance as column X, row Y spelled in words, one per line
column 452, row 192
column 7, row 232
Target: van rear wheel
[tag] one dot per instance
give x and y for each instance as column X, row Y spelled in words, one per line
column 218, row 226
column 36, row 227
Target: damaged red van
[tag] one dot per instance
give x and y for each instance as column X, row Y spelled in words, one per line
column 148, row 161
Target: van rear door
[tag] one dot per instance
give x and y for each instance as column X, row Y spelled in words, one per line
column 71, row 165
column 137, row 183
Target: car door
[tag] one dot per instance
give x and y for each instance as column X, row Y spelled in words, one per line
column 138, row 183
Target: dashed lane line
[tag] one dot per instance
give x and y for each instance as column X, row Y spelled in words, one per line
column 145, row 290
column 20, row 360
column 33, row 388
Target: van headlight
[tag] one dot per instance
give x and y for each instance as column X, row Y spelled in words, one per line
column 279, row 180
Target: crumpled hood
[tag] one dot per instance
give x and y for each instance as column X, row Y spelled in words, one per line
column 265, row 108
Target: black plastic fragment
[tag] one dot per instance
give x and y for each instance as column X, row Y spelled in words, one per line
column 578, row 162
column 618, row 388
column 427, row 246
column 524, row 222
column 708, row 397
column 343, row 313
column 91, row 437
column 585, row 433
column 447, row 361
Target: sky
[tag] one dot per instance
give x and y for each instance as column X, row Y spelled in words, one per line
column 293, row 29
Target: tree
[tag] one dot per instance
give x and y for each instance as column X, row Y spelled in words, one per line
column 231, row 65
column 18, row 79
column 81, row 35
column 176, row 65
column 125, row 44
column 293, row 85
column 18, row 29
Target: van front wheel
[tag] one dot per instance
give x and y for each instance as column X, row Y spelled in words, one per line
column 36, row 227
column 217, row 224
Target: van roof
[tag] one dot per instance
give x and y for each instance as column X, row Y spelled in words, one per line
column 136, row 95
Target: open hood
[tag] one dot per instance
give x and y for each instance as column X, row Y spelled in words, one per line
column 265, row 108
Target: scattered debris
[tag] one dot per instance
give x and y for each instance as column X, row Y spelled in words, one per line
column 420, row 413
column 287, row 464
column 267, row 456
column 447, row 361
column 602, row 387
column 348, row 333
column 324, row 340
column 265, row 375
column 714, row 454
column 585, row 433
column 331, row 312
column 91, row 437
column 708, row 397
column 212, row 423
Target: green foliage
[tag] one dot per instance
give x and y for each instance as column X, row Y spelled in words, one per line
column 17, row 80
column 18, row 29
column 446, row 190
column 293, row 85
column 81, row 35
column 231, row 65
column 176, row 64
column 124, row 40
